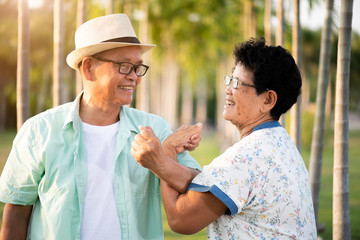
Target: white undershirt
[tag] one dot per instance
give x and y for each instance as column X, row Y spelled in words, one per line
column 100, row 219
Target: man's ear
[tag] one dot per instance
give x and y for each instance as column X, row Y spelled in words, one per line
column 270, row 99
column 86, row 68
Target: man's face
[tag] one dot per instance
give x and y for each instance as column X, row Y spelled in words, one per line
column 109, row 86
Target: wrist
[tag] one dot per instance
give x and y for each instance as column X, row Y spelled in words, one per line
column 169, row 150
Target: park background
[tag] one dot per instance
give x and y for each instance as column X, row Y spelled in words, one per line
column 194, row 42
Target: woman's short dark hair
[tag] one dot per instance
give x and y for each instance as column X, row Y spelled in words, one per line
column 274, row 69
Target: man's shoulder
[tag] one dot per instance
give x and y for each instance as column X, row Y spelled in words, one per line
column 142, row 117
column 53, row 112
column 52, row 115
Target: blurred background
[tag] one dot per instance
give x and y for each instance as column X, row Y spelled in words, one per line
column 195, row 40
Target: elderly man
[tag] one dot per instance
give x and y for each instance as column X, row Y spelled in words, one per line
column 71, row 166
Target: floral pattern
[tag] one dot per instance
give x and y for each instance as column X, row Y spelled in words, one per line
column 265, row 177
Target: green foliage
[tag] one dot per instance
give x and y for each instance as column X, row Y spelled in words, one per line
column 198, row 33
column 307, row 124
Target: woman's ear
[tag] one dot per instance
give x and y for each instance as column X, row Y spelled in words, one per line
column 270, row 99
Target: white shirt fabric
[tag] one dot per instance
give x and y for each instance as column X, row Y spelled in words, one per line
column 100, row 219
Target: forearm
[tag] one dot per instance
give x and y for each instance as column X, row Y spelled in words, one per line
column 177, row 175
column 177, row 219
column 15, row 222
column 189, row 212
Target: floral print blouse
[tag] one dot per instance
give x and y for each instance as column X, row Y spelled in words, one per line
column 264, row 183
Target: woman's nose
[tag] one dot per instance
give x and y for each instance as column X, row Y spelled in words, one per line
column 228, row 89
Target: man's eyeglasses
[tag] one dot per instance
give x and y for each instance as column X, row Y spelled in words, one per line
column 236, row 82
column 127, row 67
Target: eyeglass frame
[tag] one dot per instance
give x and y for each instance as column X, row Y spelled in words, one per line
column 134, row 66
column 236, row 82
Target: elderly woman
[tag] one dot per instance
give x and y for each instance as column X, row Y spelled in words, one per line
column 259, row 187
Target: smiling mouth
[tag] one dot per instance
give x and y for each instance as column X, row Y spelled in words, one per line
column 229, row 103
column 126, row 88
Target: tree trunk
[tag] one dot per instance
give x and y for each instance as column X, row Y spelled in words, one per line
column 341, row 211
column 279, row 40
column 127, row 7
column 267, row 21
column 142, row 90
column 249, row 19
column 23, row 64
column 169, row 91
column 222, row 69
column 40, row 101
column 81, row 18
column 295, row 112
column 110, row 7
column 58, row 52
column 186, row 114
column 3, row 102
column 156, row 87
column 201, row 105
column 317, row 144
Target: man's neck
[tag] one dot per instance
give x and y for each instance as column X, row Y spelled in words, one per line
column 98, row 115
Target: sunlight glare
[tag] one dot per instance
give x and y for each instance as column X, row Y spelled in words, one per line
column 35, row 3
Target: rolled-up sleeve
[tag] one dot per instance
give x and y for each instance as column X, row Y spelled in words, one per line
column 23, row 169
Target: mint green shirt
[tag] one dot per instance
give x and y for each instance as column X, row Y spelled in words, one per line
column 47, row 167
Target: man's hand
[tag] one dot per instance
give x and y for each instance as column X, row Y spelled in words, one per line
column 162, row 160
column 147, row 150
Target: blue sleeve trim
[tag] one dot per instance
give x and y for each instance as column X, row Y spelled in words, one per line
column 217, row 192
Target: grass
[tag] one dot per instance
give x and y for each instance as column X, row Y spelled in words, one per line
column 209, row 149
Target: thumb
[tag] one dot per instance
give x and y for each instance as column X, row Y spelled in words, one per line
column 146, row 132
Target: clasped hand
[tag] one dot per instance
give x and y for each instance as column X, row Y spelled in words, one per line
column 149, row 153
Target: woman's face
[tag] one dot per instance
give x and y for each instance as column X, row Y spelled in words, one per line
column 242, row 105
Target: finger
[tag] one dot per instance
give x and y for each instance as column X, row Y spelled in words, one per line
column 195, row 137
column 136, row 145
column 135, row 153
column 196, row 128
column 137, row 156
column 180, row 149
column 192, row 145
column 146, row 132
column 139, row 139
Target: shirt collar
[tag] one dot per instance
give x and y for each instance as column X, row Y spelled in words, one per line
column 73, row 116
column 270, row 124
column 126, row 121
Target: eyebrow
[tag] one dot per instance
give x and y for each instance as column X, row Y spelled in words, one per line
column 129, row 60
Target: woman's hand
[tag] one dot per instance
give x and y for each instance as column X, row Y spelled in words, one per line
column 148, row 152
column 185, row 138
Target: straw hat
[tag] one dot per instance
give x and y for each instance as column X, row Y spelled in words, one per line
column 101, row 34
